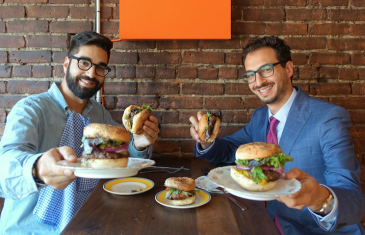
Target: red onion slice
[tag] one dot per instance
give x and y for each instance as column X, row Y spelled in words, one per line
column 122, row 148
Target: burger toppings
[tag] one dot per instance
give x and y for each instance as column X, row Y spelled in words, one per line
column 131, row 112
column 101, row 148
column 212, row 118
column 176, row 194
column 180, row 191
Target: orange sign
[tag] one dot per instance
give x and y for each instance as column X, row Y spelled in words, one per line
column 174, row 19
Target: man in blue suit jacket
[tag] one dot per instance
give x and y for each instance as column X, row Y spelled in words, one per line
column 313, row 132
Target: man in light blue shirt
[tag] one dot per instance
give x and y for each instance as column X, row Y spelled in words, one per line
column 34, row 128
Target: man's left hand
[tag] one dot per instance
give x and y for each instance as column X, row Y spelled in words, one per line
column 149, row 135
column 311, row 195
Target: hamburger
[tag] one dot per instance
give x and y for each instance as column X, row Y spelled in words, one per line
column 134, row 116
column 209, row 127
column 180, row 191
column 259, row 166
column 105, row 146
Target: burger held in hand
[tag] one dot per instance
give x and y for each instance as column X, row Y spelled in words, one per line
column 259, row 166
column 105, row 146
column 134, row 117
column 208, row 128
column 180, row 191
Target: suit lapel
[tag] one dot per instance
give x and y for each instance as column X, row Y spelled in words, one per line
column 298, row 116
column 263, row 126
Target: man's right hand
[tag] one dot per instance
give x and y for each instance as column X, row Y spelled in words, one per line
column 194, row 130
column 50, row 173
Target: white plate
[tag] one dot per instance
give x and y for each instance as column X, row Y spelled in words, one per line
column 222, row 177
column 134, row 165
column 205, row 183
column 201, row 198
column 125, row 186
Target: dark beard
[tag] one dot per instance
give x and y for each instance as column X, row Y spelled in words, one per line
column 274, row 99
column 82, row 92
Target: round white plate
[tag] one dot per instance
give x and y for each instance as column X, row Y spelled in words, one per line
column 125, row 186
column 134, row 165
column 222, row 177
column 205, row 183
column 201, row 198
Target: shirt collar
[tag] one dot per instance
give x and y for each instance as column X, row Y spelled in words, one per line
column 283, row 112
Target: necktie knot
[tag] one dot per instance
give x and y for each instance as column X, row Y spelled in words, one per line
column 273, row 123
column 271, row 136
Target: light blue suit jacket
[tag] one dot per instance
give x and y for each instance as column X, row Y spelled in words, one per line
column 316, row 135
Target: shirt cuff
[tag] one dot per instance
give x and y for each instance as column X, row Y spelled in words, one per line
column 327, row 221
column 201, row 150
column 145, row 153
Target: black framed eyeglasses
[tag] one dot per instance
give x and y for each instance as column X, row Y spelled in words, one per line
column 85, row 64
column 265, row 71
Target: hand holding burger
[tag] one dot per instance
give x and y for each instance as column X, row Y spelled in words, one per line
column 209, row 127
column 105, row 146
column 259, row 166
column 180, row 191
column 134, row 117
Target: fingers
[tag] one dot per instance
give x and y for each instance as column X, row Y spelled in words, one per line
column 151, row 128
column 67, row 153
column 194, row 134
column 200, row 115
column 295, row 173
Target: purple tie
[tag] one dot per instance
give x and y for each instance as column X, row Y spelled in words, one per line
column 271, row 136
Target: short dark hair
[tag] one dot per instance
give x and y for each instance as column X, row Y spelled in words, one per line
column 89, row 38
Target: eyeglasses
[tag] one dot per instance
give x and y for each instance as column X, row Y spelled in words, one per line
column 85, row 65
column 265, row 71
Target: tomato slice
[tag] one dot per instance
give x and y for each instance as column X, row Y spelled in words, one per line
column 167, row 189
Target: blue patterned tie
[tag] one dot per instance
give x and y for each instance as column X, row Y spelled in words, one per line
column 57, row 207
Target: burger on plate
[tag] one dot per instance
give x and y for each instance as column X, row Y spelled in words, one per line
column 180, row 191
column 105, row 146
column 134, row 116
column 209, row 127
column 259, row 166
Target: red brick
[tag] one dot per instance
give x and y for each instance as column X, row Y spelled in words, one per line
column 358, row 59
column 47, row 11
column 238, row 89
column 330, row 88
column 59, row 56
column 345, row 15
column 202, row 88
column 349, row 74
column 5, row 71
column 236, row 13
column 247, row 28
column 29, row 56
column 2, row 27
column 361, row 74
column 229, row 130
column 109, row 27
column 308, row 73
column 187, row 72
column 357, row 3
column 42, row 71
column 163, row 72
column 359, row 147
column 285, row 2
column 160, row 57
column 12, row 12
column 296, row 73
column 28, row 1
column 181, row 102
column 236, row 116
column 175, row 131
column 145, row 72
column 253, row 103
column 111, row 74
column 328, row 72
column 357, row 116
column 69, row 26
column 203, row 57
column 346, row 44
column 166, row 117
column 185, row 115
column 349, row 102
column 357, row 131
column 358, row 89
column 244, row 41
column 89, row 12
column 123, row 58
column 306, row 43
column 303, row 86
column 176, row 44
column 208, row 74
column 3, row 56
column 306, row 14
column 124, row 101
column 227, row 73
column 357, row 30
column 224, row 103
column 9, row 101
column 47, row 41
column 26, row 26
column 31, row 87
column 220, row 44
column 2, row 115
column 234, row 58
column 299, row 58
column 328, row 29
column 116, row 115
column 263, row 14
column 286, row 28
column 329, row 58
column 2, row 87
column 166, row 146
column 58, row 71
column 328, row 2
column 22, row 71
column 70, row 1
column 158, row 88
column 125, row 72
column 115, row 88
column 12, row 41
column 187, row 146
column 247, row 2
column 131, row 45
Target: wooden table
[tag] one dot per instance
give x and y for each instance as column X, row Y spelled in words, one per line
column 105, row 213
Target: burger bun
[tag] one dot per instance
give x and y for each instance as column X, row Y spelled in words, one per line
column 138, row 120
column 203, row 123
column 97, row 130
column 257, row 150
column 248, row 183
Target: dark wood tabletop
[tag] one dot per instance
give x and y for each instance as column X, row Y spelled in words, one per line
column 105, row 213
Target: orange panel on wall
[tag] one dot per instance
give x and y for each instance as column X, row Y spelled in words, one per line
column 174, row 19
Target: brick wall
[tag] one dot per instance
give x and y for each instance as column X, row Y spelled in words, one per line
column 178, row 78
